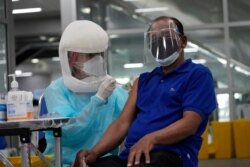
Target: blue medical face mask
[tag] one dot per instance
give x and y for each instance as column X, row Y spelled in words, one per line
column 169, row 60
column 165, row 50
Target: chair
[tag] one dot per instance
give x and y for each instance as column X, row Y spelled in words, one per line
column 2, row 142
column 42, row 110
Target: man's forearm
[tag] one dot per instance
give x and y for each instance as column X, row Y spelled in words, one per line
column 177, row 131
column 113, row 136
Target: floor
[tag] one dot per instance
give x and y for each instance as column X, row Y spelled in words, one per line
column 225, row 163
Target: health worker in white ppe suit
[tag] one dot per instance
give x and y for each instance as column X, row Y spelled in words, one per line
column 85, row 91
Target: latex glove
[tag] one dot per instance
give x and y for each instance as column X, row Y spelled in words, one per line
column 106, row 88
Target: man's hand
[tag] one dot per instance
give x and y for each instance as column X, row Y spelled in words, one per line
column 142, row 147
column 84, row 156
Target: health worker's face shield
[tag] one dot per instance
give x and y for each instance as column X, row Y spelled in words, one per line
column 162, row 46
column 87, row 65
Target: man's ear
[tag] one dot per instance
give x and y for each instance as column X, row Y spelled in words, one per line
column 183, row 41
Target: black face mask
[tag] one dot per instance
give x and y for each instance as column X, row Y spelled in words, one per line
column 162, row 51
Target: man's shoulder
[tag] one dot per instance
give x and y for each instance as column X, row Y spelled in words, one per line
column 199, row 68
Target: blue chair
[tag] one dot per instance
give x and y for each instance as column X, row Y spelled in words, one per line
column 2, row 142
column 42, row 111
column 41, row 135
column 42, row 106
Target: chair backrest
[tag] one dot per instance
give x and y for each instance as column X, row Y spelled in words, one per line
column 2, row 142
column 42, row 110
column 42, row 106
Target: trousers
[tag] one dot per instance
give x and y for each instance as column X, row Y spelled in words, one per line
column 157, row 159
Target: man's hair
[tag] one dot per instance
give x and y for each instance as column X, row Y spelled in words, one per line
column 176, row 21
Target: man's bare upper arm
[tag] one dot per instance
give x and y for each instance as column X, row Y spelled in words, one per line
column 129, row 111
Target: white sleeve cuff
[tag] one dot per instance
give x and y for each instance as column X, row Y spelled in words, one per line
column 99, row 99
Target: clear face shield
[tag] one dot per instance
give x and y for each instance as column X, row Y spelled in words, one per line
column 162, row 46
column 87, row 65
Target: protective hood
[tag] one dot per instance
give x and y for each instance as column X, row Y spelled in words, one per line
column 84, row 37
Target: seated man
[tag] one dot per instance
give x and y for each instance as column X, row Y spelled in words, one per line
column 167, row 110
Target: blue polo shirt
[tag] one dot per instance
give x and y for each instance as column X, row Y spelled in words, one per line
column 161, row 101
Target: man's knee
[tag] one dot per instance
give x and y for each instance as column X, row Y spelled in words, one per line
column 109, row 161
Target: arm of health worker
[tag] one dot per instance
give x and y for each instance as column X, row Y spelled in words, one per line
column 86, row 109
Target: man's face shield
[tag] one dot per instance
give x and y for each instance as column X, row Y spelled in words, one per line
column 161, row 44
column 83, row 65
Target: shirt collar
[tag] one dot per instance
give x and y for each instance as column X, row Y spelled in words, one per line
column 184, row 67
